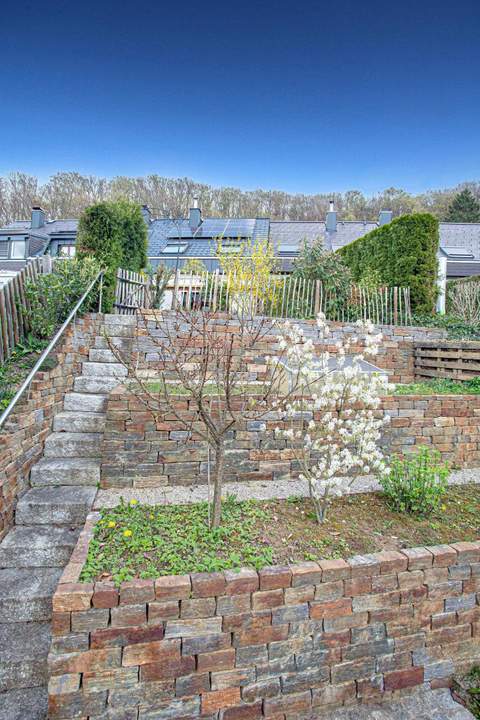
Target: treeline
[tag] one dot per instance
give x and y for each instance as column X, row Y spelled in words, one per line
column 66, row 194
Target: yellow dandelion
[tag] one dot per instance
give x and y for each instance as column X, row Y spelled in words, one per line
column 112, row 524
column 127, row 533
column 152, row 517
column 444, row 507
column 133, row 501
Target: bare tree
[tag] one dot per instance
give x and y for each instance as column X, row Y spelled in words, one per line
column 205, row 358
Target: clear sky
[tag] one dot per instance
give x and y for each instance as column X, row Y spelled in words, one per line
column 300, row 96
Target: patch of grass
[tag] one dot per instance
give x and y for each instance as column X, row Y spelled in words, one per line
column 468, row 688
column 134, row 540
column 23, row 358
column 440, row 387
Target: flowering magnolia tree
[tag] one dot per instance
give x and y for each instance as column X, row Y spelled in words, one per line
column 332, row 426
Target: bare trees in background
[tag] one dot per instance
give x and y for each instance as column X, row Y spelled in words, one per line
column 66, row 194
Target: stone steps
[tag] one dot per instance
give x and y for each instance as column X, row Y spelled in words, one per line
column 47, row 524
column 26, row 594
column 96, row 386
column 25, row 704
column 18, row 670
column 73, row 444
column 37, row 546
column 108, row 369
column 80, row 402
column 60, row 505
column 82, row 422
column 101, row 356
column 66, row 471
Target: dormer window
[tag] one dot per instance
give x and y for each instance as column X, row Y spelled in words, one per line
column 18, row 249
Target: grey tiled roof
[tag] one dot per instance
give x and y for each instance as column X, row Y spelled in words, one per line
column 203, row 241
column 51, row 227
column 293, row 232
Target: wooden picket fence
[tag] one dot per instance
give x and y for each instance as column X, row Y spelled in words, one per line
column 284, row 296
column 14, row 317
column 291, row 297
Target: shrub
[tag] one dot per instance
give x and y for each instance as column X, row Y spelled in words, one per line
column 404, row 253
column 194, row 266
column 134, row 235
column 315, row 263
column 51, row 297
column 100, row 236
column 457, row 328
column 417, row 483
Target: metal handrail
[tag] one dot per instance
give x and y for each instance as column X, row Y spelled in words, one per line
column 26, row 383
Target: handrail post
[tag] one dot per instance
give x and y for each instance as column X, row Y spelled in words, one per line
column 100, row 294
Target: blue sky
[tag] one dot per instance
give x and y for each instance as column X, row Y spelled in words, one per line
column 305, row 97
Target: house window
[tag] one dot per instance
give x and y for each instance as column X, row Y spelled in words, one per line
column 66, row 250
column 18, row 249
column 174, row 249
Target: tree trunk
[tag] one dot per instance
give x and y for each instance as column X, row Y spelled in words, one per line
column 217, row 484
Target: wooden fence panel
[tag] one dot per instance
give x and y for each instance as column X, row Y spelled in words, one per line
column 455, row 360
column 14, row 320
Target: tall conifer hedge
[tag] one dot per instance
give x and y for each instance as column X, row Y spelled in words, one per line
column 403, row 253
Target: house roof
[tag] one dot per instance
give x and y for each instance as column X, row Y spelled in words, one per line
column 202, row 242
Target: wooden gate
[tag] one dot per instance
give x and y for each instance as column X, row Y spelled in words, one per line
column 132, row 291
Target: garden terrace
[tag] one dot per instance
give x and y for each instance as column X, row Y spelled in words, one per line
column 284, row 640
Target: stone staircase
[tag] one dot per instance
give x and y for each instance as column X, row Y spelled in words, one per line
column 48, row 520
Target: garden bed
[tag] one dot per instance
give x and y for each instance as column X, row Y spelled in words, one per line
column 145, row 541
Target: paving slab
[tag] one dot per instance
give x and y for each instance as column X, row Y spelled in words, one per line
column 25, row 704
column 421, row 705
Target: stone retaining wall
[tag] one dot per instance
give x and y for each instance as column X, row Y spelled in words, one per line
column 137, row 452
column 23, row 436
column 281, row 643
column 396, row 354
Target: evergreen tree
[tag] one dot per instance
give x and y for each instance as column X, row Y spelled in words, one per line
column 100, row 236
column 134, row 235
column 464, row 208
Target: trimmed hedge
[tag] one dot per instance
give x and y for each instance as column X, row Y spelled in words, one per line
column 403, row 253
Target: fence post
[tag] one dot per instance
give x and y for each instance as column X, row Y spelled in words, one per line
column 395, row 305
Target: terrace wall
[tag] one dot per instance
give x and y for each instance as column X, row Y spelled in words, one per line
column 281, row 643
column 23, row 436
column 137, row 452
column 396, row 354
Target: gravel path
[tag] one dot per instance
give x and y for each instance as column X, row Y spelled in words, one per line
column 244, row 490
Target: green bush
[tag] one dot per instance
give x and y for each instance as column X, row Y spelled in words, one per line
column 403, row 253
column 315, row 263
column 417, row 483
column 457, row 328
column 100, row 236
column 134, row 235
column 51, row 297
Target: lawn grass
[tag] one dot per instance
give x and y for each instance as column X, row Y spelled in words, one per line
column 134, row 540
column 440, row 387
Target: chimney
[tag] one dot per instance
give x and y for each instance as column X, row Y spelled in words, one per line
column 38, row 217
column 331, row 221
column 146, row 214
column 195, row 216
column 385, row 217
